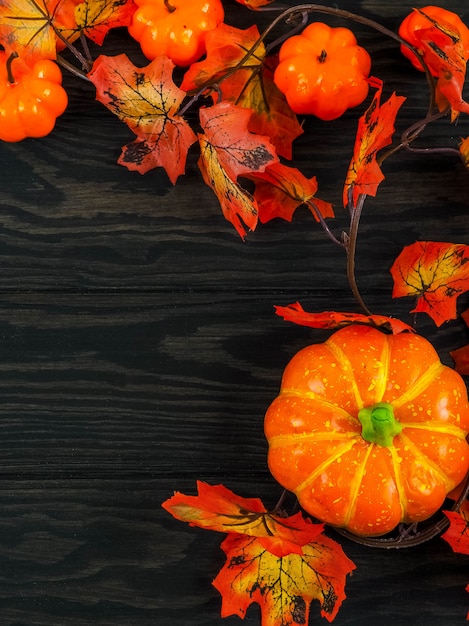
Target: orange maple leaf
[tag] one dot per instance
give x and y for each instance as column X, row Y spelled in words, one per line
column 281, row 189
column 272, row 115
column 375, row 131
column 147, row 100
column 255, row 4
column 284, row 587
column 96, row 17
column 464, row 151
column 461, row 355
column 217, row 508
column 434, row 272
column 444, row 54
column 250, row 86
column 333, row 319
column 229, row 150
column 29, row 27
column 226, row 47
column 457, row 534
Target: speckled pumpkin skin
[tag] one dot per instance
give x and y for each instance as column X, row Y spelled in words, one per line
column 316, row 449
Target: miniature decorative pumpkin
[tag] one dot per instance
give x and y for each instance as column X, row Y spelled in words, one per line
column 369, row 430
column 31, row 97
column 323, row 71
column 175, row 28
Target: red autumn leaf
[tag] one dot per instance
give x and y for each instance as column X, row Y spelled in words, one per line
column 283, row 587
column 457, row 534
column 464, row 151
column 147, row 100
column 333, row 319
column 239, row 151
column 281, row 189
column 436, row 273
column 229, row 150
column 218, row 508
column 375, row 131
column 443, row 52
column 226, row 47
column 96, row 17
column 237, row 204
column 272, row 115
column 29, row 27
column 255, row 4
column 461, row 355
column 251, row 87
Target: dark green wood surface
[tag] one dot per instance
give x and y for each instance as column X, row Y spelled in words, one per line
column 139, row 350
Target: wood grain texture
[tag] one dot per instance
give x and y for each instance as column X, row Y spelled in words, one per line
column 139, row 350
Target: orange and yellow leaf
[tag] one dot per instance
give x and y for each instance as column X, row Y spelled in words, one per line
column 255, row 4
column 226, row 47
column 217, row 508
column 96, row 17
column 147, row 100
column 283, row 587
column 281, row 189
column 436, row 273
column 464, row 150
column 444, row 54
column 457, row 534
column 251, row 86
column 229, row 150
column 334, row 319
column 27, row 27
column 375, row 131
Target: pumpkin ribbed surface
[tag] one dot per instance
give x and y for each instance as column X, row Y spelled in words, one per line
column 317, row 444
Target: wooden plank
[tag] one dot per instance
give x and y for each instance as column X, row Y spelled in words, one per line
column 139, row 351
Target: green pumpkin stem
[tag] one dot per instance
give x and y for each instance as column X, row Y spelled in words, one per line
column 379, row 424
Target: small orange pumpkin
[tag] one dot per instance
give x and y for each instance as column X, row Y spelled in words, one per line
column 369, row 430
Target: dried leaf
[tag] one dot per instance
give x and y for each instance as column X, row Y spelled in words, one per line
column 255, row 4
column 464, row 150
column 96, row 17
column 284, row 587
column 217, row 508
column 436, row 273
column 147, row 100
column 226, row 46
column 28, row 27
column 333, row 319
column 281, row 189
column 251, row 87
column 457, row 534
column 271, row 114
column 229, row 150
column 375, row 131
column 444, row 54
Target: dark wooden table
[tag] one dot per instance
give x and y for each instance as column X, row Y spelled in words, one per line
column 139, row 350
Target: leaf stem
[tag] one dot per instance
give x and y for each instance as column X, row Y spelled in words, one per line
column 71, row 68
column 351, row 248
column 85, row 63
column 317, row 213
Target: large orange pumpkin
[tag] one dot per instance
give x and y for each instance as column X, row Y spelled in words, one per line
column 369, row 430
